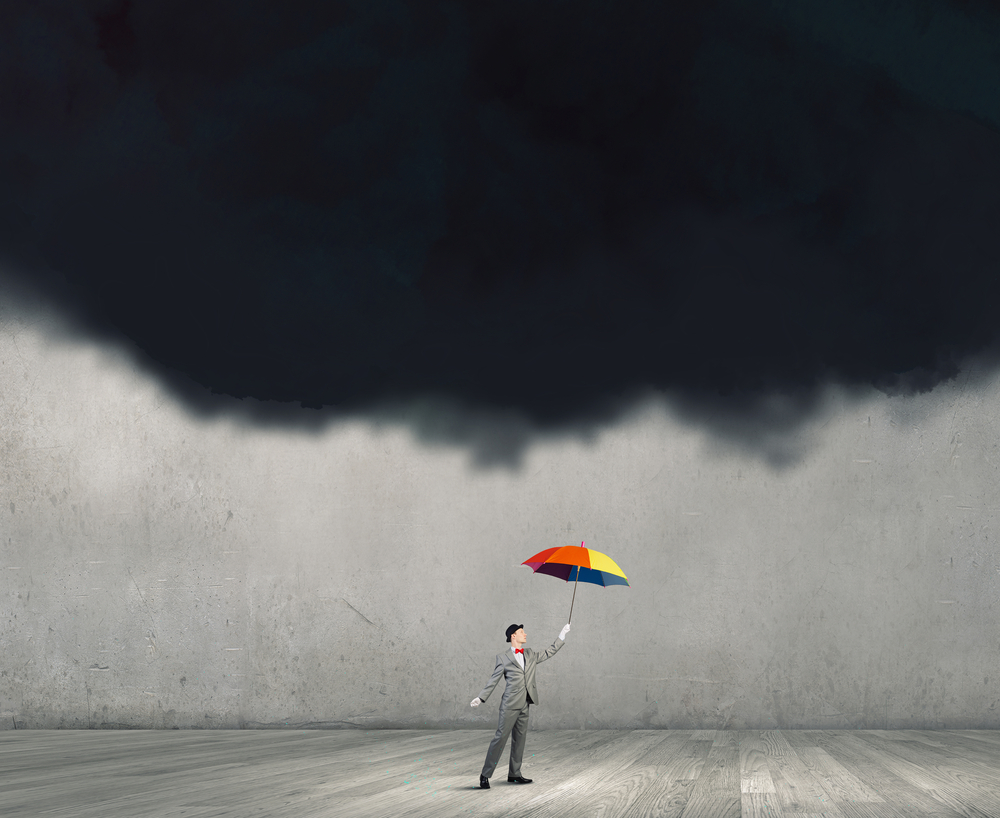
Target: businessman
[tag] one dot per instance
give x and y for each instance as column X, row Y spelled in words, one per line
column 517, row 666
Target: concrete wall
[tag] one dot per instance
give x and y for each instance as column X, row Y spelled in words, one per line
column 160, row 570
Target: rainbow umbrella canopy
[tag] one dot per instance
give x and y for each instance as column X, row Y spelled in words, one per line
column 575, row 563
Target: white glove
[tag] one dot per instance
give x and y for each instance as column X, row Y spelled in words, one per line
column 476, row 702
column 563, row 632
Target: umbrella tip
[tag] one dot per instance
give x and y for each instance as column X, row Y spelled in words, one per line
column 582, row 544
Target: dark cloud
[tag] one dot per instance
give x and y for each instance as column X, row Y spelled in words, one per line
column 534, row 208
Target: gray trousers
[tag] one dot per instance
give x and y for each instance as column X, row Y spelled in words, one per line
column 511, row 721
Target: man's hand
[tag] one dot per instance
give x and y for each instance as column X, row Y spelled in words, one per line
column 476, row 702
column 563, row 632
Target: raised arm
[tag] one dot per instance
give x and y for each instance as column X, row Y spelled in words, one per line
column 551, row 650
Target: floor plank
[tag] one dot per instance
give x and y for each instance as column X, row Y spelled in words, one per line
column 881, row 770
column 971, row 784
column 434, row 774
column 665, row 779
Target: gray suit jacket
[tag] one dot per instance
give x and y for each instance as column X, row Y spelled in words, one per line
column 520, row 683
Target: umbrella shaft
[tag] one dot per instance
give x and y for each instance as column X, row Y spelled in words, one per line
column 570, row 620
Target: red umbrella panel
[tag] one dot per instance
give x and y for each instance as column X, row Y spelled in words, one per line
column 576, row 563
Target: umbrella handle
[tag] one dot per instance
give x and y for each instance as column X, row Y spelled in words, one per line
column 570, row 620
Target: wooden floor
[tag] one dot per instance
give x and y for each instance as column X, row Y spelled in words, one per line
column 577, row 773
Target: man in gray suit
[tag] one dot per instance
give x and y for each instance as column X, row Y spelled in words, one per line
column 517, row 666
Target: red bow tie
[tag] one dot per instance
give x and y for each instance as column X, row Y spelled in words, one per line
column 518, row 650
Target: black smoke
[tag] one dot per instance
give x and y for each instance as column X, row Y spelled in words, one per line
column 541, row 208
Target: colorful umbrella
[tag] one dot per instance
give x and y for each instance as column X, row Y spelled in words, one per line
column 574, row 562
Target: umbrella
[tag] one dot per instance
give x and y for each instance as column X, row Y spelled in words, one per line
column 574, row 562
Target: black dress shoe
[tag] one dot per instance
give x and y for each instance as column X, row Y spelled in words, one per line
column 484, row 782
column 517, row 780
